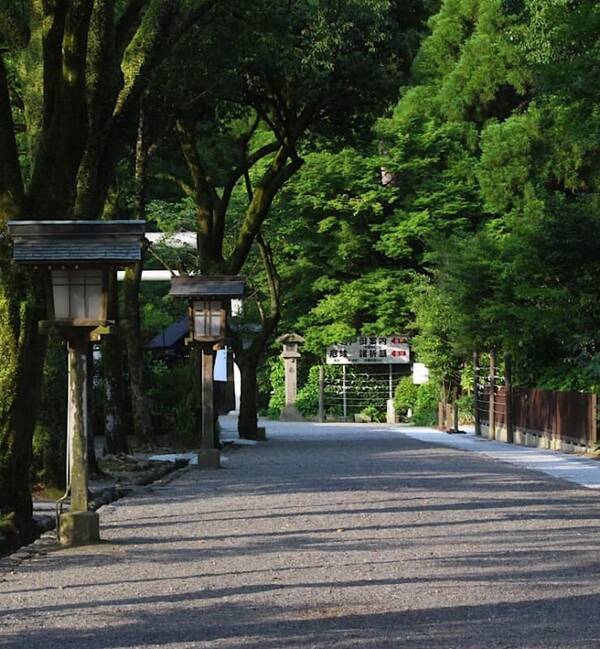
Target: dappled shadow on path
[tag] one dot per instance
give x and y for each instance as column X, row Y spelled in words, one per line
column 370, row 544
column 197, row 620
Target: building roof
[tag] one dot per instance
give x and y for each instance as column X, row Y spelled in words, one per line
column 73, row 242
column 225, row 286
column 170, row 336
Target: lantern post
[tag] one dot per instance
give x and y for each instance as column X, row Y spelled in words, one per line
column 290, row 355
column 78, row 256
column 207, row 297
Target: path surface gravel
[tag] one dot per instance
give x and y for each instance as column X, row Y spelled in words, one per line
column 326, row 536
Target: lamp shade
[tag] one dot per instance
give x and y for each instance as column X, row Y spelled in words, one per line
column 208, row 320
column 79, row 295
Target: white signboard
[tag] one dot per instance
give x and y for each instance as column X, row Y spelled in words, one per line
column 420, row 374
column 220, row 371
column 371, row 350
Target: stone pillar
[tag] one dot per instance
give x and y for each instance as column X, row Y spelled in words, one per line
column 290, row 356
column 291, row 380
column 390, row 406
column 79, row 526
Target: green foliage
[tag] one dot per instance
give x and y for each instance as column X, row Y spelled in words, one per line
column 169, row 394
column 466, row 409
column 405, row 396
column 50, row 435
column 421, row 400
column 425, row 412
column 308, row 395
column 277, row 381
column 372, row 413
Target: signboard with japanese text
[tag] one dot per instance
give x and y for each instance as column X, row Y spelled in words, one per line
column 371, row 350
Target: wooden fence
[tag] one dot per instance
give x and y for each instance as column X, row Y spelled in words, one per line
column 514, row 414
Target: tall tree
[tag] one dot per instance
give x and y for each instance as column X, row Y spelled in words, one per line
column 71, row 75
column 247, row 130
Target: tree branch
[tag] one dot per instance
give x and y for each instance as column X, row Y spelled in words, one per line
column 273, row 280
column 127, row 24
column 274, row 178
column 187, row 189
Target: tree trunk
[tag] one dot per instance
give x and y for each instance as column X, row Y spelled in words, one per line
column 22, row 351
column 140, row 410
column 115, row 434
column 142, row 421
column 248, row 419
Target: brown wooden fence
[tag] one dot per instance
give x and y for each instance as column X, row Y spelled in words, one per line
column 566, row 416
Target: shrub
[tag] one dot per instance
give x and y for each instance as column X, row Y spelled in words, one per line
column 308, row 395
column 277, row 380
column 405, row 397
column 372, row 413
column 466, row 409
column 425, row 411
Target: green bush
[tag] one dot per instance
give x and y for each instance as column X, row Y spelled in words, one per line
column 308, row 395
column 277, row 380
column 425, row 411
column 50, row 436
column 405, row 397
column 170, row 397
column 372, row 413
column 466, row 409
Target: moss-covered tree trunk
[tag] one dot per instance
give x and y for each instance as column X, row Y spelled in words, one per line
column 69, row 58
column 140, row 411
column 22, row 351
column 140, row 408
column 115, row 434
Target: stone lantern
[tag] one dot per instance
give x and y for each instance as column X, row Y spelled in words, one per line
column 290, row 356
column 78, row 255
column 207, row 297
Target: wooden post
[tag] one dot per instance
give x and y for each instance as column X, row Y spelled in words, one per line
column 510, row 430
column 492, row 402
column 78, row 419
column 593, row 420
column 321, row 393
column 207, row 440
column 79, row 526
column 476, row 393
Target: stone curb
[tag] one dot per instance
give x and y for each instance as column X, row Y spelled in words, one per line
column 47, row 540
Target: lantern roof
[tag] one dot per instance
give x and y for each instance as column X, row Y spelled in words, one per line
column 207, row 286
column 75, row 242
column 290, row 338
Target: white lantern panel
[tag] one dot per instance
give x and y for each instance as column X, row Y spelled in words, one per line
column 207, row 319
column 78, row 294
column 60, row 291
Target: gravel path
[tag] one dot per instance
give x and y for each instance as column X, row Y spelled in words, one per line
column 326, row 536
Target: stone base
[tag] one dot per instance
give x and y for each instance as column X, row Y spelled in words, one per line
column 209, row 458
column 261, row 435
column 291, row 413
column 79, row 528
